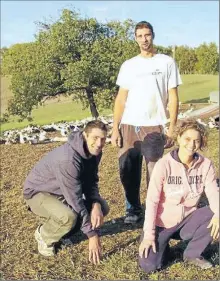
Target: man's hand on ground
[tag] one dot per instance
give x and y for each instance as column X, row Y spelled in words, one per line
column 94, row 249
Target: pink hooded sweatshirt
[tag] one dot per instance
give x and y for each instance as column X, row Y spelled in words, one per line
column 174, row 192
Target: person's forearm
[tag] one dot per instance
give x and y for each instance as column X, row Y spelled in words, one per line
column 119, row 107
column 118, row 112
column 173, row 109
column 96, row 205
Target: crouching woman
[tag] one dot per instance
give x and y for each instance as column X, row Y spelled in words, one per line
column 176, row 185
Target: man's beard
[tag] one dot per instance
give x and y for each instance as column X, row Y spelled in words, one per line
column 146, row 47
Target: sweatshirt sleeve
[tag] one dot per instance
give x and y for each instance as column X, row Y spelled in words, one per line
column 68, row 177
column 93, row 191
column 212, row 190
column 153, row 198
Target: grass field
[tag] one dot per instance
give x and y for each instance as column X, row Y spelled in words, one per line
column 195, row 88
column 19, row 256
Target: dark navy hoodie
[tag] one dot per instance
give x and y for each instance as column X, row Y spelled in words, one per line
column 68, row 170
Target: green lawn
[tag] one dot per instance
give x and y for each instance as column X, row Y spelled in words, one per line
column 53, row 112
column 195, row 88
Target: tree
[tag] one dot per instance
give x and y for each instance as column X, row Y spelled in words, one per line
column 186, row 59
column 164, row 50
column 208, row 58
column 73, row 56
column 2, row 51
column 33, row 77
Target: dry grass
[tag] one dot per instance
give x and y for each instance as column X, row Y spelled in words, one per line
column 19, row 256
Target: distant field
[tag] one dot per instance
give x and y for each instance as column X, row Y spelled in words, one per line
column 53, row 112
column 195, row 88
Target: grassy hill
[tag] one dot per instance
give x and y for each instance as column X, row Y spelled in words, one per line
column 195, row 88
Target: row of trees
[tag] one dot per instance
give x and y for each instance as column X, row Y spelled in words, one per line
column 81, row 57
column 201, row 60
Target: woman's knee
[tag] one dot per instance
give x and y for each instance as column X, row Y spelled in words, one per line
column 147, row 265
column 207, row 213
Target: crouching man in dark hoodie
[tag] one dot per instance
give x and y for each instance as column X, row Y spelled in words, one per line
column 63, row 186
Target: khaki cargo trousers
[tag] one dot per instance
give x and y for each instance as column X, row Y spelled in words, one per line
column 59, row 217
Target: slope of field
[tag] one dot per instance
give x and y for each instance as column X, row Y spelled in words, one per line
column 19, row 256
column 195, row 88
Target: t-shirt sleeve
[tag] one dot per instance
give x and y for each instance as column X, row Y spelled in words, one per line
column 174, row 79
column 123, row 77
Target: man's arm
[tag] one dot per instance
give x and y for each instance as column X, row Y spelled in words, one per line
column 173, row 107
column 70, row 184
column 118, row 112
column 92, row 190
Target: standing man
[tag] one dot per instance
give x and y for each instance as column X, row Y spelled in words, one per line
column 148, row 85
column 63, row 186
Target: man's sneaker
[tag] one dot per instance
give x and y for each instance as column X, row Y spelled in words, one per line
column 43, row 249
column 200, row 262
column 132, row 218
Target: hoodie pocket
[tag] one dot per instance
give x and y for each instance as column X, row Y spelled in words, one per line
column 169, row 215
column 173, row 193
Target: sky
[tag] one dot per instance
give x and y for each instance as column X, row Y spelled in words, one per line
column 175, row 22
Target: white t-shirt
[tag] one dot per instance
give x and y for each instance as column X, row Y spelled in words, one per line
column 148, row 81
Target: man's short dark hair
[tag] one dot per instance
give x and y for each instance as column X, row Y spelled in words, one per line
column 97, row 124
column 144, row 24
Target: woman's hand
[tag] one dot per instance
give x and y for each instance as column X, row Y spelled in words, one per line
column 214, row 224
column 145, row 246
